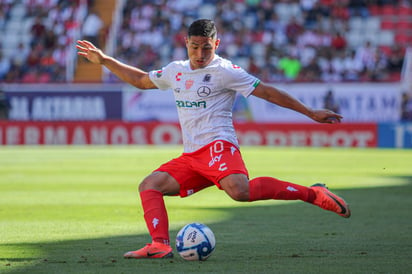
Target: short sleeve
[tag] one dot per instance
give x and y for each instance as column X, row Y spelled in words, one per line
column 236, row 78
column 160, row 79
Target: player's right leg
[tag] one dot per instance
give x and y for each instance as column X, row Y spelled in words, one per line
column 152, row 190
column 175, row 177
column 155, row 250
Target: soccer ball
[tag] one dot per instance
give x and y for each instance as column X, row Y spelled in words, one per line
column 195, row 242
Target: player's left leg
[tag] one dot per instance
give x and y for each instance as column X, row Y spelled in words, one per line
column 240, row 188
column 263, row 188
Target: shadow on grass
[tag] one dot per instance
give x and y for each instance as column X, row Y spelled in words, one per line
column 285, row 238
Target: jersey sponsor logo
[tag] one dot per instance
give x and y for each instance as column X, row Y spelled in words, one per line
column 207, row 78
column 189, row 84
column 204, row 91
column 178, row 76
column 190, row 104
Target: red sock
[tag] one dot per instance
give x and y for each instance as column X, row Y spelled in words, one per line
column 155, row 215
column 265, row 188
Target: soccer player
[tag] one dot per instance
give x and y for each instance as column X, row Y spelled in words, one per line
column 204, row 87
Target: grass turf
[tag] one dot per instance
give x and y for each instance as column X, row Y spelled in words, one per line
column 76, row 210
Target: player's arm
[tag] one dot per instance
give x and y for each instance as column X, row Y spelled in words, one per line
column 126, row 73
column 283, row 99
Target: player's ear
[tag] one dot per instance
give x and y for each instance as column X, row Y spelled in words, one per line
column 217, row 43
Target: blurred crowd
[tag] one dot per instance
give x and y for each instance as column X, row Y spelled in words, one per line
column 278, row 41
column 290, row 40
column 52, row 26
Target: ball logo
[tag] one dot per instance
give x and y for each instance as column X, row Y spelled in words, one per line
column 192, row 236
column 204, row 91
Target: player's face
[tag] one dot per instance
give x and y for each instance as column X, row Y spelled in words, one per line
column 201, row 50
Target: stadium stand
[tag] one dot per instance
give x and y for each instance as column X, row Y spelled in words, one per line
column 284, row 40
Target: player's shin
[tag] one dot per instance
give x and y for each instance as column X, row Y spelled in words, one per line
column 265, row 188
column 155, row 215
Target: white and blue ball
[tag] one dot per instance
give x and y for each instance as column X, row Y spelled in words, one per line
column 195, row 242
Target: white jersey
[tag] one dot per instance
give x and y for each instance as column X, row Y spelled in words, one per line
column 205, row 98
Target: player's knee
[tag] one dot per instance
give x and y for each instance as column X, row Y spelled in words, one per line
column 160, row 181
column 144, row 185
column 150, row 182
column 237, row 187
column 238, row 192
column 239, row 195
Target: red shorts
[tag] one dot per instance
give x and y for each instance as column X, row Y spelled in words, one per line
column 205, row 167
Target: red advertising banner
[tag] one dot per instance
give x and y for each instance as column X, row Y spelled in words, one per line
column 308, row 134
column 157, row 133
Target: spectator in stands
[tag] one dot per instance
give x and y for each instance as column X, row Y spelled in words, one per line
column 19, row 54
column 338, row 42
column 49, row 39
column 92, row 27
column 358, row 8
column 290, row 66
column 314, row 15
column 406, row 107
column 376, row 68
column 2, row 18
column 330, row 71
column 365, row 54
column 353, row 67
column 38, row 31
column 5, row 65
column 340, row 11
column 13, row 75
column 395, row 59
column 307, row 5
column 5, row 106
column 329, row 101
column 47, row 62
column 311, row 72
column 33, row 59
column 293, row 30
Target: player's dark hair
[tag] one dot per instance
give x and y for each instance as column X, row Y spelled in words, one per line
column 203, row 27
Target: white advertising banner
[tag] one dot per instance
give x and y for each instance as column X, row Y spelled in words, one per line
column 149, row 105
column 357, row 102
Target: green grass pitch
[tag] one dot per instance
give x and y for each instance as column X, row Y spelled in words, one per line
column 76, row 210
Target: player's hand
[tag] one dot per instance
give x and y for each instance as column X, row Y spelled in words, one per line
column 326, row 116
column 90, row 52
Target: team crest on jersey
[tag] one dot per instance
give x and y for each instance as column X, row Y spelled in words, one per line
column 207, row 78
column 159, row 73
column 189, row 84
